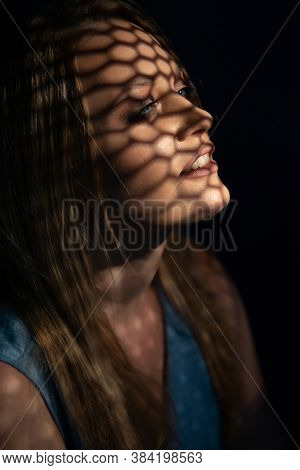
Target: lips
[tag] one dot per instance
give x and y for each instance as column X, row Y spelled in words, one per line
column 203, row 149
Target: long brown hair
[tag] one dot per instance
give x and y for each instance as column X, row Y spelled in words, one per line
column 45, row 153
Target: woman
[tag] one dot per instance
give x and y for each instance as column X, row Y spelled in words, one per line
column 97, row 331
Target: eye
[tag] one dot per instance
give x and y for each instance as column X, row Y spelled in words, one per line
column 185, row 91
column 190, row 93
column 146, row 111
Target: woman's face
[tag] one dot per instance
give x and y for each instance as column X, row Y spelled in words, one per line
column 146, row 121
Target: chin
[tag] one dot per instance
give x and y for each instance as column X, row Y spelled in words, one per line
column 184, row 210
column 212, row 201
column 181, row 211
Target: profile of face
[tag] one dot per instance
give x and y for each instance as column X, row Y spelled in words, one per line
column 146, row 120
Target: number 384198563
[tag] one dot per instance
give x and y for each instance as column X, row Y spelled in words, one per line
column 166, row 457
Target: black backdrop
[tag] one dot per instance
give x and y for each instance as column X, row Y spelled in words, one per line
column 244, row 57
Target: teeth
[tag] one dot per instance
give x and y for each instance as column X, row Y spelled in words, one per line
column 201, row 161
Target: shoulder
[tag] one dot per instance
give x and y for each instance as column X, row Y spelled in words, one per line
column 25, row 421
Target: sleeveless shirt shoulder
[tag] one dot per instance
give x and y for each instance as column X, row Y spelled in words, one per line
column 19, row 349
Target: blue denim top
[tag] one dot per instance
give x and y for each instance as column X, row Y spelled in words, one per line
column 195, row 410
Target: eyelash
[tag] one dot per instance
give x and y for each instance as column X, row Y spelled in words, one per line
column 140, row 114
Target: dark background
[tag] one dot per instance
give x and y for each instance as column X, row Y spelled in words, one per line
column 257, row 150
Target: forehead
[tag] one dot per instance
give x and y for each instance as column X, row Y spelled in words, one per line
column 117, row 51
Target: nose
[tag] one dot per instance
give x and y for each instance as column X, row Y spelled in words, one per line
column 194, row 120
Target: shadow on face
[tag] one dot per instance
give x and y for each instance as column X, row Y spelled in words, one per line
column 147, row 124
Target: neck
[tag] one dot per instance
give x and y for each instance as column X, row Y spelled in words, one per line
column 124, row 287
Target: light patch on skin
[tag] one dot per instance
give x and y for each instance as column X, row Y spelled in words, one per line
column 116, row 142
column 137, row 351
column 122, row 36
column 11, row 386
column 189, row 186
column 94, row 43
column 164, row 146
column 164, row 67
column 146, row 38
column 173, row 67
column 169, row 123
column 118, row 22
column 145, row 67
column 161, row 52
column 146, row 51
column 148, row 132
column 88, row 63
column 100, row 98
column 161, row 168
column 123, row 53
column 162, row 188
column 47, row 431
column 116, row 74
column 145, row 150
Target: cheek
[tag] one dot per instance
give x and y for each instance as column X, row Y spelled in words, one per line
column 149, row 180
column 137, row 156
column 133, row 158
column 164, row 147
column 146, row 167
